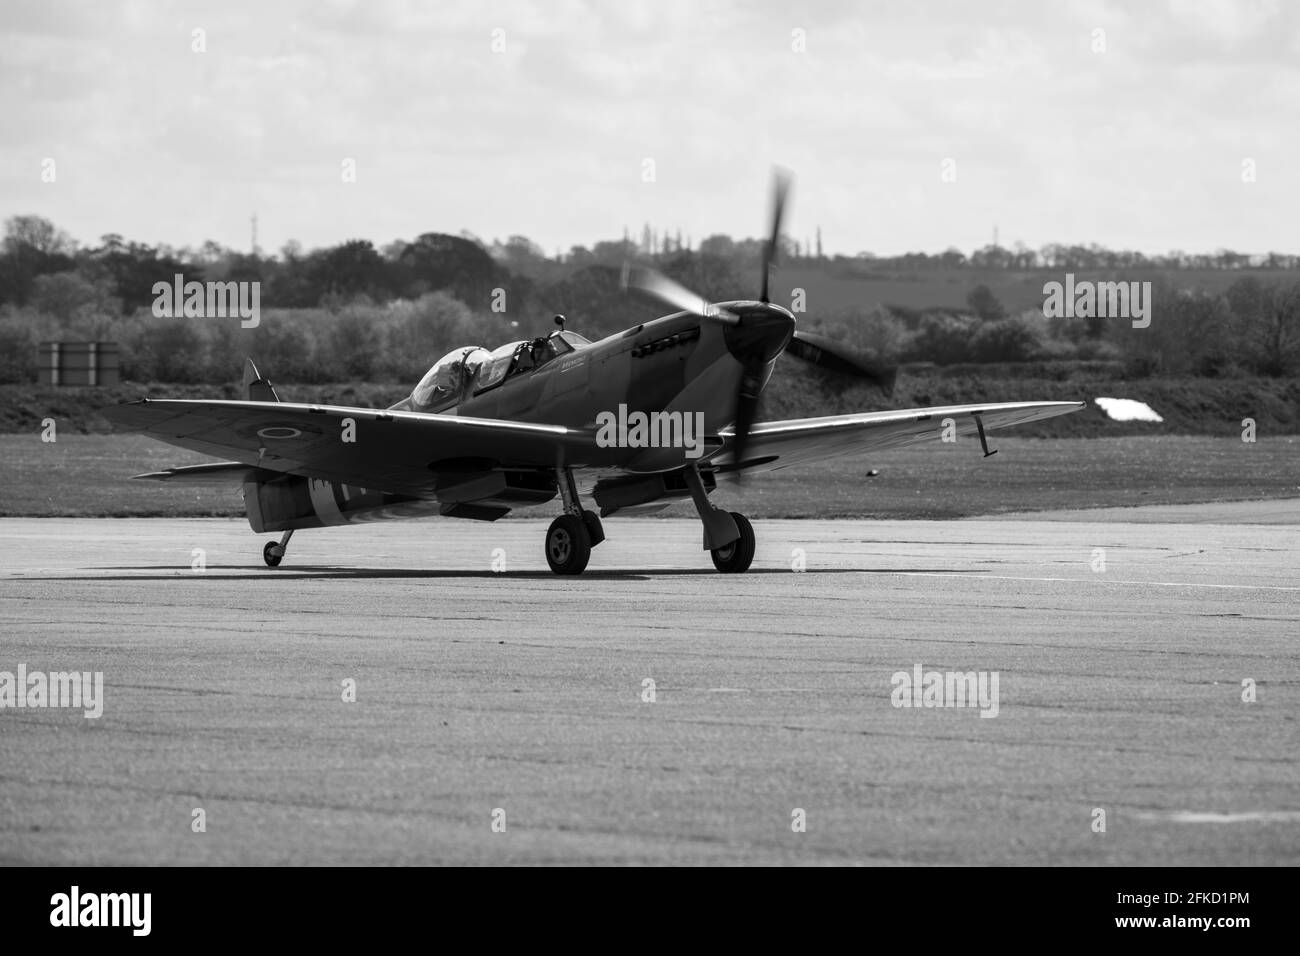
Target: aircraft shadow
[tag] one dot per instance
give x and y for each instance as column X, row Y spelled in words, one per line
column 330, row 572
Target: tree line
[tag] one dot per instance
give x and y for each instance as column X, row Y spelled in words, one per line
column 356, row 311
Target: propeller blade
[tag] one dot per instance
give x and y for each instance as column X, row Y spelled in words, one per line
column 780, row 191
column 832, row 356
column 747, row 392
column 659, row 286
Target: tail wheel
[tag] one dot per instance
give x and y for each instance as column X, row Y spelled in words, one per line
column 568, row 545
column 272, row 554
column 735, row 558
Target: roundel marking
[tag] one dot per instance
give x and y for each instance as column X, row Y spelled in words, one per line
column 278, row 431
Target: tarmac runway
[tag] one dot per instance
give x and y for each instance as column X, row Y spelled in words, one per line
column 1121, row 643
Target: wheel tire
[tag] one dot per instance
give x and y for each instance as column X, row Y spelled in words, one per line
column 568, row 545
column 270, row 556
column 736, row 557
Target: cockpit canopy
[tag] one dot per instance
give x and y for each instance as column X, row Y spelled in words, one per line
column 495, row 367
column 448, row 381
column 472, row 369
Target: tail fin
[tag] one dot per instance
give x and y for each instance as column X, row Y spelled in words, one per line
column 256, row 388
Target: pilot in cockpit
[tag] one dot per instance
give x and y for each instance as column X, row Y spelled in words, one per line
column 529, row 358
column 541, row 350
column 449, row 383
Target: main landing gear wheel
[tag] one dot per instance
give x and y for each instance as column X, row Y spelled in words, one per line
column 735, row 558
column 568, row 545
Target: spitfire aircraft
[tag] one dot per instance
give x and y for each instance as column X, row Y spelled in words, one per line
column 488, row 431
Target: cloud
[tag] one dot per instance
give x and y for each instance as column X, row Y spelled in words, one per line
column 1140, row 145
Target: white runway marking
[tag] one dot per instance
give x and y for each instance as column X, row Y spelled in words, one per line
column 1098, row 580
column 1253, row 816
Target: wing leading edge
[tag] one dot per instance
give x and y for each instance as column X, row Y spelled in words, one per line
column 774, row 445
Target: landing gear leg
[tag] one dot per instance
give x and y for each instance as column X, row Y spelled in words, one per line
column 728, row 535
column 572, row 535
column 573, row 506
column 272, row 553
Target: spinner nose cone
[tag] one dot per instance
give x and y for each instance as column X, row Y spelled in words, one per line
column 762, row 332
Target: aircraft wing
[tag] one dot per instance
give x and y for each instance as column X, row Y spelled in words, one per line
column 774, row 445
column 400, row 452
column 405, row 452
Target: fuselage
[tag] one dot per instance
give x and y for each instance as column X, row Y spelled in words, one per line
column 679, row 363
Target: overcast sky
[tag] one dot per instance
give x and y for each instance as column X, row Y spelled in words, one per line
column 1140, row 146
